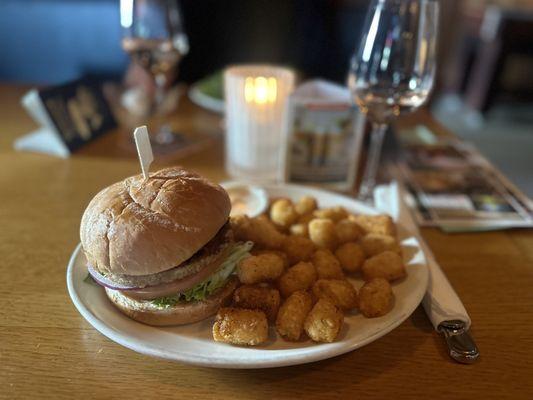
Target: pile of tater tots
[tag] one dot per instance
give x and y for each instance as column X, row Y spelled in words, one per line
column 297, row 276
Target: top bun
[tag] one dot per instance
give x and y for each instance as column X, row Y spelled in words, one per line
column 142, row 227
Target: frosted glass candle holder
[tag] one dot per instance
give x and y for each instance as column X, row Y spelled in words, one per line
column 256, row 99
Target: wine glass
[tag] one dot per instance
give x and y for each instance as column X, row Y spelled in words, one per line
column 154, row 37
column 393, row 70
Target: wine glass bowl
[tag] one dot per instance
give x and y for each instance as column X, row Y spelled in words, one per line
column 393, row 69
column 157, row 57
column 154, row 37
column 386, row 105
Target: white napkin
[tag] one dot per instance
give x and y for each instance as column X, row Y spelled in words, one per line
column 440, row 302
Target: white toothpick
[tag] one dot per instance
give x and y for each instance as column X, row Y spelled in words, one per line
column 144, row 149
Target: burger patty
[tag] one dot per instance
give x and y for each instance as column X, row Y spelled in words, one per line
column 203, row 257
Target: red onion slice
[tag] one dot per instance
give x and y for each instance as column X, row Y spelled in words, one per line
column 103, row 281
column 177, row 286
column 163, row 289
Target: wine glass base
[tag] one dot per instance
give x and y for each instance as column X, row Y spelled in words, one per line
column 366, row 194
column 169, row 142
column 183, row 144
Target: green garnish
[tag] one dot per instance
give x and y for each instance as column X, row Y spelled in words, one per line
column 214, row 282
column 213, row 86
column 90, row 280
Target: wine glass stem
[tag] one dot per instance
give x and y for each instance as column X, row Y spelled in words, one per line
column 372, row 163
column 163, row 131
column 159, row 94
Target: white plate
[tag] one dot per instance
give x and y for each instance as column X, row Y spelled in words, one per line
column 193, row 344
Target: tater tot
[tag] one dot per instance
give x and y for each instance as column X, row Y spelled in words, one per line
column 333, row 213
column 324, row 322
column 279, row 253
column 387, row 265
column 258, row 230
column 347, row 231
column 240, row 326
column 298, row 248
column 264, row 298
column 292, row 314
column 351, row 256
column 338, row 291
column 306, row 218
column 299, row 230
column 261, row 268
column 298, row 277
column 382, row 224
column 282, row 213
column 322, row 233
column 326, row 264
column 375, row 298
column 238, row 221
column 375, row 243
column 306, row 205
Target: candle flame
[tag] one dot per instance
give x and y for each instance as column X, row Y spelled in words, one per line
column 260, row 90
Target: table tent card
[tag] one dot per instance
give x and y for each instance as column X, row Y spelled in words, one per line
column 323, row 136
column 69, row 115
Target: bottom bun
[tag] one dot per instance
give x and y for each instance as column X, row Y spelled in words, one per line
column 179, row 314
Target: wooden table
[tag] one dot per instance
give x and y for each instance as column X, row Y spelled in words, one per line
column 47, row 350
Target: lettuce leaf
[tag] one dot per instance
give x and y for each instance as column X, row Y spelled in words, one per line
column 214, row 282
column 90, row 280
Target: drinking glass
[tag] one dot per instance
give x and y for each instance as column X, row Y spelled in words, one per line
column 392, row 72
column 256, row 98
column 154, row 37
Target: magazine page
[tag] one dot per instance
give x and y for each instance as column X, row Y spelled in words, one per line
column 451, row 185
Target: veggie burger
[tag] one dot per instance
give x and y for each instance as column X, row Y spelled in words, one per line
column 162, row 248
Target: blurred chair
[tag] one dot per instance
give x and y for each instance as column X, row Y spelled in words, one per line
column 493, row 57
column 505, row 34
column 488, row 88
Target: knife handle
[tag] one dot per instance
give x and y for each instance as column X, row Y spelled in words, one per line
column 461, row 346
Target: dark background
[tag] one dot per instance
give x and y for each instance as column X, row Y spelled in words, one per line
column 52, row 41
column 55, row 41
column 483, row 91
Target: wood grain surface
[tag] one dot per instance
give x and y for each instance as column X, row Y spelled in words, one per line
column 47, row 350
